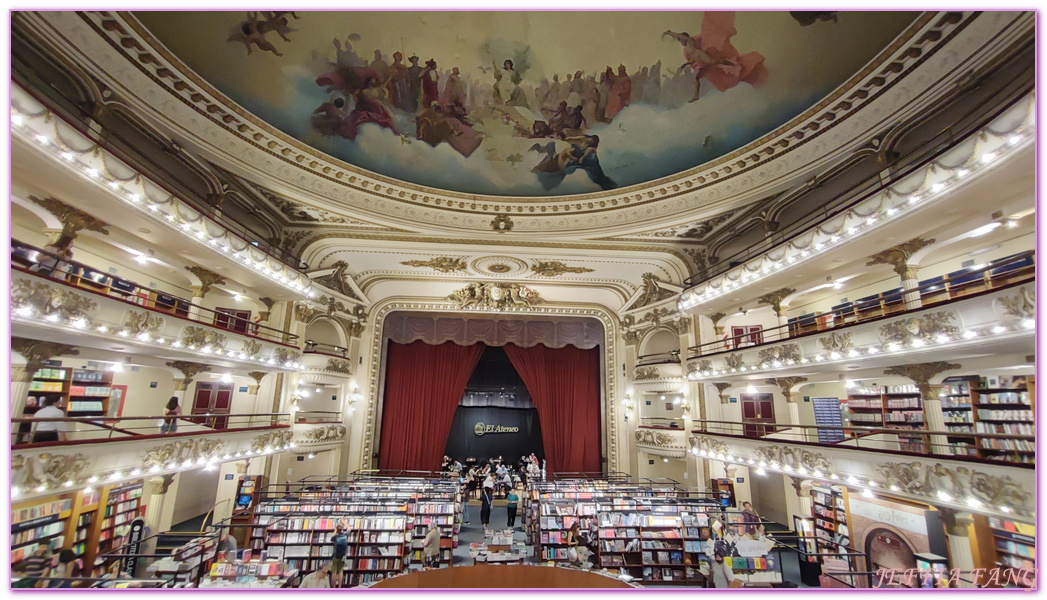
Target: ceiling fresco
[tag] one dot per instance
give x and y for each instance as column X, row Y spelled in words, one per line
column 526, row 103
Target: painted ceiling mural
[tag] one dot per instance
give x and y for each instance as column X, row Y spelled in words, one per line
column 526, row 103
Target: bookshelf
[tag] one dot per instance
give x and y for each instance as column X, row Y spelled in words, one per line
column 82, row 392
column 662, row 544
column 122, row 505
column 890, row 407
column 1004, row 405
column 299, row 532
column 39, row 523
column 188, row 562
column 832, row 529
column 444, row 514
column 558, row 516
column 1014, row 544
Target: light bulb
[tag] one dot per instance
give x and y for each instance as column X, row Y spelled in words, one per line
column 867, row 493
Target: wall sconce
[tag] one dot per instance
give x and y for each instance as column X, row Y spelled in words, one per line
column 628, row 405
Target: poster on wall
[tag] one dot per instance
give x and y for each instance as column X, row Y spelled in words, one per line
column 117, row 395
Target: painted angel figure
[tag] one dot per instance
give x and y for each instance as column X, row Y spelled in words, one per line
column 714, row 59
column 251, row 32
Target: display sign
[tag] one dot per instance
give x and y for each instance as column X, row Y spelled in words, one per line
column 480, row 429
column 879, row 513
column 133, row 542
column 243, row 389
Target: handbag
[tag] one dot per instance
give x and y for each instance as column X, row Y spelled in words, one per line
column 572, row 554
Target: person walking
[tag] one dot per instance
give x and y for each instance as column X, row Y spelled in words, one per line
column 340, row 539
column 49, row 431
column 171, row 413
column 431, row 547
column 486, row 498
column 510, row 508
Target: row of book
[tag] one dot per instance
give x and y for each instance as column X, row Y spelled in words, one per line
column 662, row 557
column 41, row 531
column 40, row 510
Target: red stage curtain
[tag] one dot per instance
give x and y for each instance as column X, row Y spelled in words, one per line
column 564, row 384
column 423, row 386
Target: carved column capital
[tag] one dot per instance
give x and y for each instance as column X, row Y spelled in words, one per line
column 207, row 277
column 73, row 220
column 775, row 299
column 956, row 522
column 921, row 374
column 37, row 352
column 721, row 387
column 786, row 384
column 189, row 371
column 257, row 376
column 160, row 484
column 898, row 256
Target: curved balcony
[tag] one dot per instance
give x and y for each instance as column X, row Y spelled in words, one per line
column 658, row 377
column 109, row 450
column 312, row 435
column 656, row 440
column 871, row 461
column 992, row 319
column 324, row 364
column 70, row 299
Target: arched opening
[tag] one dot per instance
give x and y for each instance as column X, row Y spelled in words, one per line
column 660, row 346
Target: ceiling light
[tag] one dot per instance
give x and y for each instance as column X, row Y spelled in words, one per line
column 983, row 230
column 43, row 139
column 1005, row 509
column 226, row 378
column 751, row 389
column 988, row 157
column 969, row 335
column 944, row 496
column 141, row 259
column 999, row 329
column 852, row 480
column 1028, row 324
column 311, row 455
column 16, row 120
column 974, row 503
column 116, row 368
column 1012, row 224
column 760, row 471
column 866, row 493
column 92, row 479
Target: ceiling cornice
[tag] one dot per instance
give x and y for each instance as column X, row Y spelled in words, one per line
column 912, row 70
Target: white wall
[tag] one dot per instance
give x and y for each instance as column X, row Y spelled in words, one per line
column 195, row 494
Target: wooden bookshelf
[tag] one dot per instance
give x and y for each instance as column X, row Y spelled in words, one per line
column 890, row 408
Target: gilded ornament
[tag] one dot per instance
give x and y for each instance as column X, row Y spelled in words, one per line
column 73, row 220
column 837, row 342
column 442, row 264
column 338, row 280
column 251, row 348
column 651, row 292
column 1022, row 306
column 207, row 277
column 734, row 361
column 646, row 373
column 919, row 478
column 138, row 323
column 285, row 355
column 495, row 296
column 709, row 445
column 792, row 456
column 782, row 353
column 201, row 337
column 338, row 366
column 555, row 268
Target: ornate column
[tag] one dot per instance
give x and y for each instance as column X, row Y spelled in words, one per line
column 921, row 374
column 774, row 299
column 35, row 353
column 253, row 390
column 718, row 330
column 189, row 371
column 786, row 384
column 264, row 315
column 802, row 488
column 73, row 219
column 721, row 410
column 957, row 528
column 898, row 257
column 159, row 511
column 207, row 279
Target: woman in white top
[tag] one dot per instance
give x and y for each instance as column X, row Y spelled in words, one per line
column 721, row 574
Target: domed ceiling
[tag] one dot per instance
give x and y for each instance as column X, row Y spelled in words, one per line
column 526, row 103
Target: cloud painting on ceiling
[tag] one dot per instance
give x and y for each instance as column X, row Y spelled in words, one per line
column 526, row 103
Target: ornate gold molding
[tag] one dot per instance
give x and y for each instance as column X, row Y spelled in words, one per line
column 272, row 440
column 51, row 300
column 721, row 387
column 660, row 443
column 48, row 469
column 652, row 292
column 921, row 374
column 138, row 323
column 646, row 373
column 189, row 371
column 442, row 264
column 36, row 353
column 207, row 278
column 200, row 337
column 338, row 280
column 959, row 482
column 898, row 257
column 495, row 296
column 1021, row 306
column 167, row 456
column 285, row 355
column 654, row 317
column 73, row 219
column 837, row 342
column 325, row 434
column 555, row 268
column 352, row 328
column 734, row 361
column 335, row 365
column 774, row 299
column 784, row 353
column 709, row 445
column 792, row 456
column 786, row 384
column 904, row 331
column 257, row 376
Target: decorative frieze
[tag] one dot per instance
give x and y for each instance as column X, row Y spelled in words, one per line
column 784, row 354
column 73, row 219
column 646, row 373
column 139, row 323
column 50, row 469
column 51, row 300
column 786, row 384
column 707, row 444
column 898, row 257
column 325, row 434
column 555, row 268
column 441, row 264
column 271, row 441
column 837, row 342
column 660, row 443
column 335, row 365
column 177, row 453
column 495, row 296
column 734, row 361
column 793, row 457
column 1021, row 306
column 194, row 337
column 285, row 355
column 930, row 325
column 958, row 482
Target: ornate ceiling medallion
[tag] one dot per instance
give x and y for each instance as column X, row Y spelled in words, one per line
column 499, row 266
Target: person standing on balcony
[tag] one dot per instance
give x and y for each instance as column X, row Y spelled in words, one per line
column 171, row 413
column 49, row 431
column 60, row 250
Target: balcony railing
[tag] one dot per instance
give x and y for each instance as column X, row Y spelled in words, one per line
column 958, row 285
column 673, row 423
column 41, row 263
column 659, row 358
column 947, row 138
column 914, row 442
column 312, row 347
column 318, row 416
column 95, row 430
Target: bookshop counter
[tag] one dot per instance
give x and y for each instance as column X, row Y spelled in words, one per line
column 503, row 576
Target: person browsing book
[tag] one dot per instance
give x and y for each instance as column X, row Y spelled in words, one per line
column 340, row 539
column 431, row 547
column 721, row 575
column 512, row 501
column 318, row 578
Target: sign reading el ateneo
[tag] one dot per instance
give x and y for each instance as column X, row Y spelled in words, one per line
column 480, row 429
